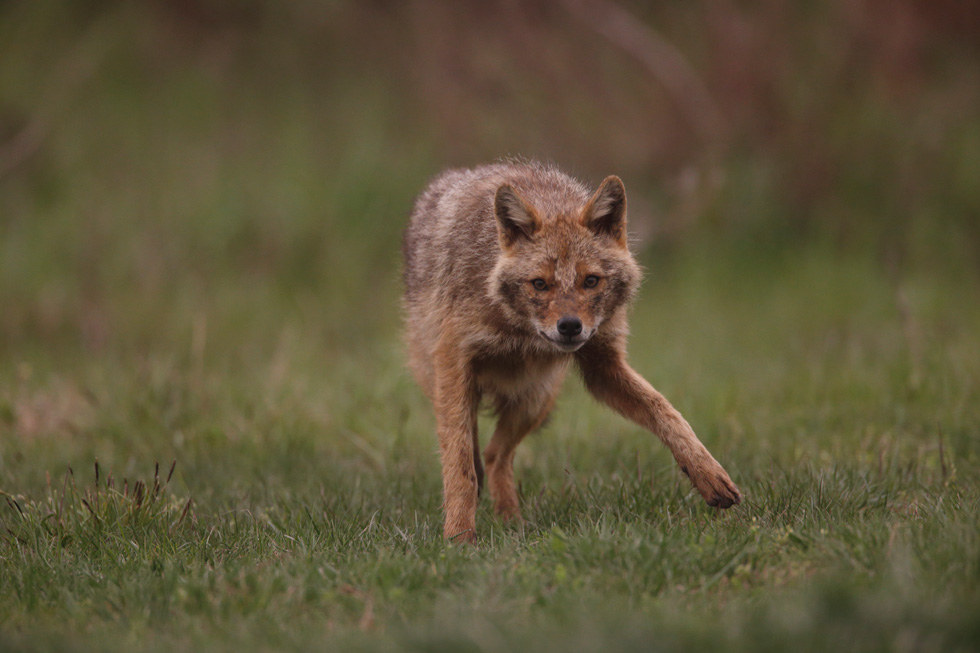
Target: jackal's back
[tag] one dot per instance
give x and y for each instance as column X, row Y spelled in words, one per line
column 451, row 244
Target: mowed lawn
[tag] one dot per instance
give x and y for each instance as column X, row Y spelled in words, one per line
column 303, row 506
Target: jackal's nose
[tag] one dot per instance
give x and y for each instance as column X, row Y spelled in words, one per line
column 569, row 326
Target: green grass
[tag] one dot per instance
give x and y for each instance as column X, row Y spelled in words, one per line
column 199, row 267
column 313, row 487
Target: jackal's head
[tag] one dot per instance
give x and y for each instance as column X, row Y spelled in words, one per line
column 564, row 266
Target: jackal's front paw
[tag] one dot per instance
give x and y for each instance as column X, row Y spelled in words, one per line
column 459, row 532
column 714, row 484
column 460, row 527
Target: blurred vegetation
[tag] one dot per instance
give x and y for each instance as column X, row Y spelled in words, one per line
column 168, row 144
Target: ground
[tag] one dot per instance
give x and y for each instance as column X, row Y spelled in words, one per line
column 303, row 507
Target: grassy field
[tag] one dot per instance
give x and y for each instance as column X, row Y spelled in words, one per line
column 304, row 506
column 208, row 439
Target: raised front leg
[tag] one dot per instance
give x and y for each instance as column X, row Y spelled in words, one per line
column 456, row 400
column 610, row 379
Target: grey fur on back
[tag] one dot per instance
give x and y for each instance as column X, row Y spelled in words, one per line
column 451, row 239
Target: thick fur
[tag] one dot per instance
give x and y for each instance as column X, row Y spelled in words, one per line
column 514, row 271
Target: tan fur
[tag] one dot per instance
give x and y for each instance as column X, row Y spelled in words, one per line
column 513, row 271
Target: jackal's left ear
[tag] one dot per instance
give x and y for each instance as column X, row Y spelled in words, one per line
column 605, row 213
column 516, row 220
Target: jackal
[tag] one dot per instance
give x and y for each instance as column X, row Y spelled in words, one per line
column 512, row 272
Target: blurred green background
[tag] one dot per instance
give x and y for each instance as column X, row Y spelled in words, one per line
column 163, row 162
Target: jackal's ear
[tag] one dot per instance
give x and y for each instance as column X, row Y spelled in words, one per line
column 516, row 220
column 605, row 213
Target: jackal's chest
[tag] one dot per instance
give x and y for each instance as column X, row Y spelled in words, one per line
column 514, row 376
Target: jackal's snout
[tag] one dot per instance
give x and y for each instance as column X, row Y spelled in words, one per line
column 568, row 333
column 569, row 326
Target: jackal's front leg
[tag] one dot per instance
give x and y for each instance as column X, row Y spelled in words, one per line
column 456, row 400
column 610, row 379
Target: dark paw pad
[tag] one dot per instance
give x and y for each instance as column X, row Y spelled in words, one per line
column 725, row 500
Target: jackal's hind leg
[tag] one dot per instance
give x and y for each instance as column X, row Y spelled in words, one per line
column 517, row 419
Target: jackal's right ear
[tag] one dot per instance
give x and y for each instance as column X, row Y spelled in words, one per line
column 516, row 220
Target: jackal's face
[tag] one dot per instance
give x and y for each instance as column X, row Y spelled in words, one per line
column 562, row 275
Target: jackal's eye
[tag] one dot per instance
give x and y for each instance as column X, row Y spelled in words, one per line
column 540, row 284
column 591, row 281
